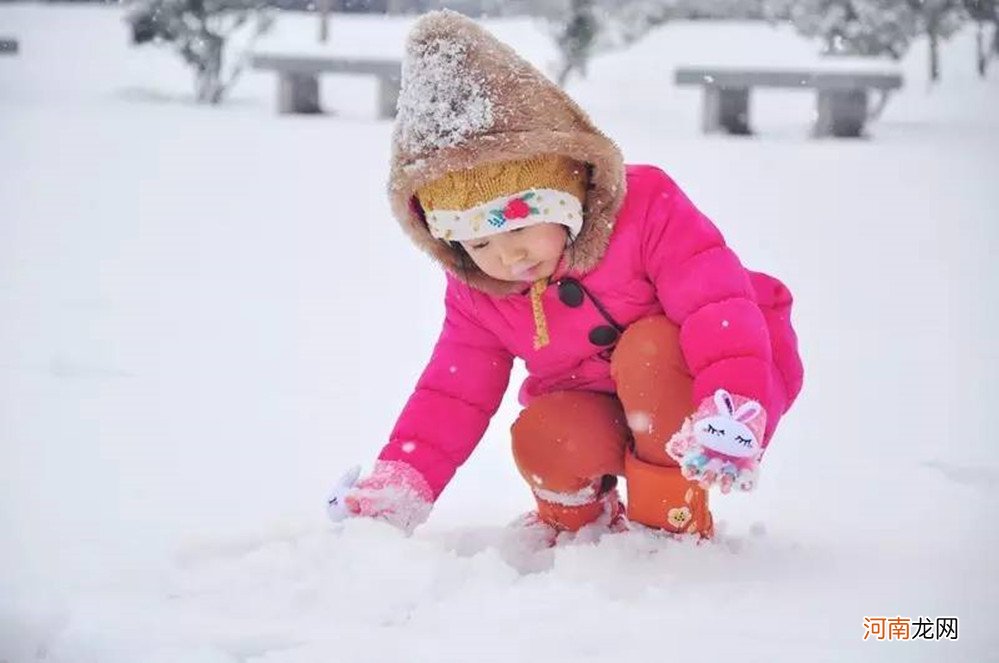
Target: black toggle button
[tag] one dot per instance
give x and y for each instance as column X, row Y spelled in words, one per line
column 570, row 293
column 603, row 335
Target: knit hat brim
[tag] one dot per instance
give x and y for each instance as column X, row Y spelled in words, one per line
column 603, row 198
column 497, row 197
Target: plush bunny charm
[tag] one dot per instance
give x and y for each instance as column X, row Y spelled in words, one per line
column 721, row 443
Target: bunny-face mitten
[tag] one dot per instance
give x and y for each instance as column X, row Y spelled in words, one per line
column 722, row 442
column 394, row 492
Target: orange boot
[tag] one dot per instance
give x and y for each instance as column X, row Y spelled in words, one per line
column 660, row 497
column 569, row 446
column 656, row 391
column 552, row 523
column 606, row 510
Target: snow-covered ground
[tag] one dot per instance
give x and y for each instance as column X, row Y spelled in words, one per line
column 207, row 313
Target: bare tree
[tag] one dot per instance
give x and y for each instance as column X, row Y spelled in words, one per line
column 984, row 12
column 585, row 28
column 199, row 30
column 576, row 39
column 938, row 20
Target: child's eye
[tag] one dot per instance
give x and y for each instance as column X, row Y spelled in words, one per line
column 715, row 431
column 480, row 245
column 744, row 441
column 517, row 230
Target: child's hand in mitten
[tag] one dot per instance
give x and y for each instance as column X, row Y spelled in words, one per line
column 721, row 443
column 393, row 492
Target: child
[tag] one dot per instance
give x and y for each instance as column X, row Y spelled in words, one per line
column 639, row 327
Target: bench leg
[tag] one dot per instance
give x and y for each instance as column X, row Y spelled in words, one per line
column 298, row 93
column 841, row 113
column 725, row 109
column 388, row 97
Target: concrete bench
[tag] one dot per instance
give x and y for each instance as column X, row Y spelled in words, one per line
column 298, row 79
column 8, row 46
column 842, row 96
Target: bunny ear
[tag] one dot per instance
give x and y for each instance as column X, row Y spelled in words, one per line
column 350, row 477
column 723, row 401
column 748, row 411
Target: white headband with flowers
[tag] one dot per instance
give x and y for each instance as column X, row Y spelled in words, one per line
column 519, row 210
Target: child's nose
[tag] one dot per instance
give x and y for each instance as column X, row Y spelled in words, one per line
column 511, row 255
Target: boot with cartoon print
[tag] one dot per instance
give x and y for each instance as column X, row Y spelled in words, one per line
column 661, row 498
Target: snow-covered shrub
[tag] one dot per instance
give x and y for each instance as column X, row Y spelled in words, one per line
column 857, row 27
column 199, row 30
column 877, row 27
column 575, row 35
column 582, row 29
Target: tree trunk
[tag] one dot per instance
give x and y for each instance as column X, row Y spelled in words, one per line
column 208, row 79
column 934, row 53
column 979, row 49
column 324, row 20
column 563, row 74
column 206, row 87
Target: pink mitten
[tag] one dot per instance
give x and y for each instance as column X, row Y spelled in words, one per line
column 722, row 442
column 393, row 492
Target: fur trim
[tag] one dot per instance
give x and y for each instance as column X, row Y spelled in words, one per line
column 529, row 116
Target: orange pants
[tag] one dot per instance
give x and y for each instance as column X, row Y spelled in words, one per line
column 570, row 445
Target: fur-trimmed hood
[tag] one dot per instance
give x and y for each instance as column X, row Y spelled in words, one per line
column 468, row 99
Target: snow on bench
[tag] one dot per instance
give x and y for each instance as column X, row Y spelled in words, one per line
column 298, row 79
column 842, row 95
column 8, row 46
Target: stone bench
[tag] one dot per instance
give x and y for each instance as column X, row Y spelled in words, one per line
column 842, row 96
column 298, row 79
column 8, row 46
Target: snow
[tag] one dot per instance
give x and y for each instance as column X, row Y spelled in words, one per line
column 442, row 102
column 206, row 315
column 639, row 422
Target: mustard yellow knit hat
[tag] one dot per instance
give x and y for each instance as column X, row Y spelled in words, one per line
column 497, row 197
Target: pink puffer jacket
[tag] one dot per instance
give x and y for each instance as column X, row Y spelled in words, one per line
column 664, row 256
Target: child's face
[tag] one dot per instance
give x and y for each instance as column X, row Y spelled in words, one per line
column 526, row 254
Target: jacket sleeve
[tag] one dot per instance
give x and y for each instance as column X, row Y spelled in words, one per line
column 455, row 397
column 704, row 288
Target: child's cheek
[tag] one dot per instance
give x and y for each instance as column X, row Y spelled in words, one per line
column 553, row 247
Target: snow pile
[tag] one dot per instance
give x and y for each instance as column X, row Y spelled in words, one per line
column 363, row 592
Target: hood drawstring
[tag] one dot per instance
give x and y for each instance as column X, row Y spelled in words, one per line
column 541, row 338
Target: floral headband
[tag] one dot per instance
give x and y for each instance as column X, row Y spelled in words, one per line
column 509, row 212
